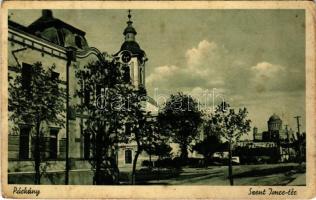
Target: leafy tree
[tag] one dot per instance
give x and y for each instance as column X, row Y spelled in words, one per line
column 231, row 125
column 157, row 143
column 208, row 146
column 162, row 150
column 299, row 145
column 211, row 142
column 101, row 88
column 141, row 127
column 180, row 118
column 110, row 104
column 37, row 100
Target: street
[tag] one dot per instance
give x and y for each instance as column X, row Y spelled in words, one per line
column 217, row 175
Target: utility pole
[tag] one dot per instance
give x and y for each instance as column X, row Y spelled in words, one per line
column 288, row 140
column 298, row 136
column 287, row 132
column 298, row 123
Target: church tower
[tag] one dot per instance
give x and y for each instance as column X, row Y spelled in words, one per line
column 133, row 56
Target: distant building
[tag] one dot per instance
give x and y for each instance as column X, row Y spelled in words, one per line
column 276, row 142
column 275, row 132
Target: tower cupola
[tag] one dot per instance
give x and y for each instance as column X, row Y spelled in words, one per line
column 134, row 67
column 129, row 31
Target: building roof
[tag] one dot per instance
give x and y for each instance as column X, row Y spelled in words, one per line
column 274, row 117
column 133, row 47
column 129, row 28
column 130, row 44
column 18, row 26
column 47, row 20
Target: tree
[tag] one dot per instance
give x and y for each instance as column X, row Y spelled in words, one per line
column 231, row 125
column 100, row 89
column 157, row 143
column 299, row 145
column 142, row 127
column 36, row 100
column 180, row 118
column 162, row 150
column 110, row 104
column 208, row 146
column 211, row 142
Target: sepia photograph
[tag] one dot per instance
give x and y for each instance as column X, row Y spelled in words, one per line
column 158, row 97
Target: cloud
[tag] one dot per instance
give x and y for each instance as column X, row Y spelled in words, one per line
column 268, row 77
column 264, row 71
column 210, row 73
column 209, row 65
column 162, row 73
column 197, row 54
column 196, row 70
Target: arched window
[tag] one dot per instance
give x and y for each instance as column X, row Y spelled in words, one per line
column 87, row 142
column 128, row 156
column 141, row 76
column 128, row 130
column 126, row 74
column 78, row 41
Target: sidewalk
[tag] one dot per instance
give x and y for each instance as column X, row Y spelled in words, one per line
column 299, row 180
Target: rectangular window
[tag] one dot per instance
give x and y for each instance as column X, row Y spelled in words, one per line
column 128, row 129
column 128, row 156
column 26, row 76
column 141, row 76
column 54, row 75
column 126, row 74
column 98, row 90
column 86, row 94
column 24, row 142
column 87, row 146
column 53, row 143
column 86, row 97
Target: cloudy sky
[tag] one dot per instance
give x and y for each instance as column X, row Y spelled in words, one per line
column 251, row 58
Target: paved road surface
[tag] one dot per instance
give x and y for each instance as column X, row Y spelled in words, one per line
column 217, row 175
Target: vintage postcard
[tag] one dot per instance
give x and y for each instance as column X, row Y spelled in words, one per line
column 150, row 99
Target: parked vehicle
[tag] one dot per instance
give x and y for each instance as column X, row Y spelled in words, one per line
column 235, row 160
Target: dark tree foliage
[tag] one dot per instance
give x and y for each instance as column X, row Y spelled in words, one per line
column 231, row 125
column 110, row 103
column 208, row 146
column 299, row 144
column 211, row 142
column 180, row 118
column 41, row 102
column 103, row 108
column 157, row 144
column 162, row 150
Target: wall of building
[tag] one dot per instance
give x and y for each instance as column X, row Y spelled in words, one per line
column 25, row 49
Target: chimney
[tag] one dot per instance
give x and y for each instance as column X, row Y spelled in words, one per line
column 255, row 131
column 47, row 13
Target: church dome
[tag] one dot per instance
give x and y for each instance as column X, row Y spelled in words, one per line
column 129, row 29
column 274, row 117
column 274, row 123
column 133, row 47
column 130, row 43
